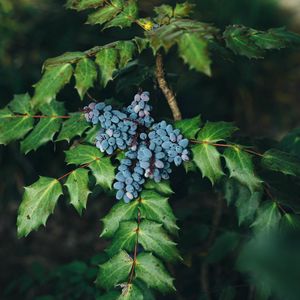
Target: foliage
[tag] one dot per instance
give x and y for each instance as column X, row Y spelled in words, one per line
column 143, row 230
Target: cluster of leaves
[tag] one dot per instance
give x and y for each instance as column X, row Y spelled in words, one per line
column 141, row 230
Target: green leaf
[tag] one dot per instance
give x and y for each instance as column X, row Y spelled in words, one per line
column 154, row 239
column 216, row 131
column 164, row 10
column 83, row 154
column 38, row 203
column 90, row 135
column 155, row 207
column 162, row 187
column 280, row 161
column 21, row 104
column 291, row 142
column 13, row 128
column 208, row 160
column 124, row 238
column 67, row 57
column 126, row 51
column 120, row 212
column 131, row 292
column 241, row 168
column 74, row 126
column 153, row 273
column 77, row 184
column 53, row 80
column 85, row 75
column 103, row 171
column 246, row 203
column 268, row 218
column 126, row 17
column 115, row 271
column 183, row 9
column 106, row 13
column 141, row 43
column 83, row 4
column 107, row 61
column 112, row 295
column 189, row 127
column 46, row 128
column 193, row 49
column 238, row 39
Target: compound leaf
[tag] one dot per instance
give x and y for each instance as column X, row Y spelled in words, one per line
column 38, row 203
column 241, row 168
column 74, row 126
column 53, row 80
column 114, row 271
column 77, row 184
column 153, row 273
column 208, row 160
column 85, row 75
column 45, row 129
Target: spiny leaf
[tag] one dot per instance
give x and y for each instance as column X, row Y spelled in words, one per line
column 90, row 135
column 106, row 13
column 114, row 271
column 189, row 127
column 68, row 57
column 238, row 40
column 193, row 49
column 131, row 292
column 153, row 273
column 280, row 161
column 85, row 75
column 267, row 219
column 241, row 168
column 53, row 80
column 75, row 126
column 162, row 187
column 124, row 238
column 13, row 128
column 155, row 207
column 77, row 184
column 83, row 154
column 164, row 10
column 38, row 203
column 119, row 212
column 126, row 17
column 126, row 52
column 216, row 131
column 107, row 59
column 142, row 43
column 21, row 104
column 183, row 9
column 154, row 239
column 83, row 4
column 103, row 171
column 208, row 160
column 46, row 128
column 246, row 203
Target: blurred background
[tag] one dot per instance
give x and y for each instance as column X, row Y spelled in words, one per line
column 261, row 97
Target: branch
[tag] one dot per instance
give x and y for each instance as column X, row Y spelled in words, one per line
column 167, row 91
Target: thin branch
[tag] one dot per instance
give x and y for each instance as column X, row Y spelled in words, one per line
column 80, row 167
column 39, row 116
column 167, row 91
column 132, row 271
column 193, row 141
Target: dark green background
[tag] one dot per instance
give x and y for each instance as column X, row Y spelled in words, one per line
column 261, row 97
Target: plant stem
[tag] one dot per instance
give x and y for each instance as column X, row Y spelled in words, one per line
column 167, row 91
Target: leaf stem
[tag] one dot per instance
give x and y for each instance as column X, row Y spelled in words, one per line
column 132, row 271
column 167, row 91
column 80, row 167
column 193, row 141
column 39, row 116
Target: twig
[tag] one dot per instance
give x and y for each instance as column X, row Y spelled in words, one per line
column 167, row 91
column 132, row 271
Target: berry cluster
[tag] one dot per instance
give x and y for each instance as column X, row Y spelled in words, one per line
column 151, row 147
